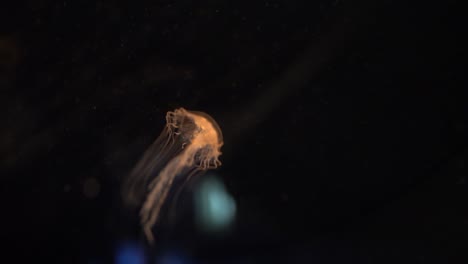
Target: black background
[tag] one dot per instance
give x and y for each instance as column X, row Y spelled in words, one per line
column 344, row 125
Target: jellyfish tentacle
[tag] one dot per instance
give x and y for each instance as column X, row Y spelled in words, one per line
column 190, row 143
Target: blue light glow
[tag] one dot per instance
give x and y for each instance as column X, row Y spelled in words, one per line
column 130, row 253
column 172, row 258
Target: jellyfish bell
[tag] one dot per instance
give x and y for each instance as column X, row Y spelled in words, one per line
column 189, row 145
column 202, row 136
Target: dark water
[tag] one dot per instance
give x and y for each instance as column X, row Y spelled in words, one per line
column 344, row 126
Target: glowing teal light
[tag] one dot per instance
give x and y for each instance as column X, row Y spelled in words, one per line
column 215, row 208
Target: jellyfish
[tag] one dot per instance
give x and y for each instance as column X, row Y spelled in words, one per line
column 189, row 145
